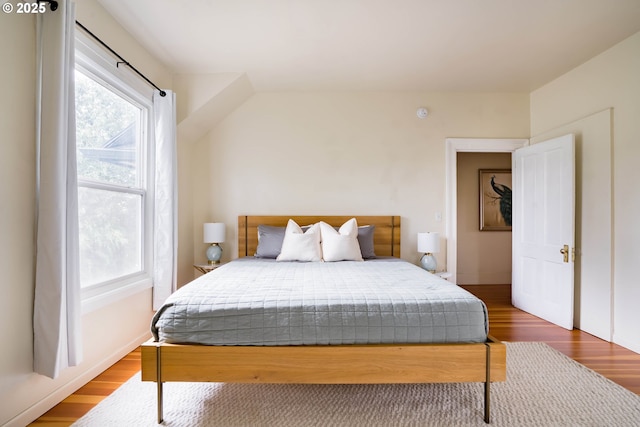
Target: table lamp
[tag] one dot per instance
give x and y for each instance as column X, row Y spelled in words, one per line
column 214, row 234
column 429, row 244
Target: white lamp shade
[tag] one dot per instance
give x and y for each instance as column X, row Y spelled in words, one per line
column 428, row 243
column 213, row 232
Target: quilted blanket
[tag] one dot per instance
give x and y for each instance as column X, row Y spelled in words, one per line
column 263, row 302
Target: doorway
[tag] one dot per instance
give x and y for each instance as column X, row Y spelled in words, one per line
column 453, row 147
column 484, row 251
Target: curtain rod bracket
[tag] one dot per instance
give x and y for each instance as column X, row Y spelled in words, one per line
column 53, row 5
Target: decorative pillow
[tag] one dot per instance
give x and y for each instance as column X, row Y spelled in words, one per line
column 300, row 246
column 365, row 239
column 341, row 245
column 270, row 240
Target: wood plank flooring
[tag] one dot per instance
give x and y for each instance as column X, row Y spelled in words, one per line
column 79, row 403
column 506, row 322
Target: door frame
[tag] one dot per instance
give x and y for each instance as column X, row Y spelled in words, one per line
column 467, row 145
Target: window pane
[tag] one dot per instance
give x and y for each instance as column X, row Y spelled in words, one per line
column 110, row 234
column 107, row 134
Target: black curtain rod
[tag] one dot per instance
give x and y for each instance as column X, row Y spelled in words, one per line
column 122, row 60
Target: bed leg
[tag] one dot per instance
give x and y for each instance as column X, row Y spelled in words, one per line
column 487, row 387
column 159, row 384
column 160, row 417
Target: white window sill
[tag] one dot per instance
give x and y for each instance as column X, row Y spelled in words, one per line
column 106, row 298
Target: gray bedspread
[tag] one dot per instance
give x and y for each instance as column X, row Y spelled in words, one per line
column 262, row 302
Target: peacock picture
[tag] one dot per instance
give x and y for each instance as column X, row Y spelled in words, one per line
column 504, row 195
column 495, row 200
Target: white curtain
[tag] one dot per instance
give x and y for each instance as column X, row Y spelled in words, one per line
column 166, row 198
column 56, row 317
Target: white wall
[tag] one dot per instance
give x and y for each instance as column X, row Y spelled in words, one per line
column 341, row 153
column 609, row 80
column 17, row 181
column 108, row 333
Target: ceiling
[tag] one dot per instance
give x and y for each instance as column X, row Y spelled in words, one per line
column 406, row 45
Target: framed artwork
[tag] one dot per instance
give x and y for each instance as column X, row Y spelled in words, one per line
column 495, row 199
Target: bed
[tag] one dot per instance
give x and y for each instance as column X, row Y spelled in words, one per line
column 287, row 357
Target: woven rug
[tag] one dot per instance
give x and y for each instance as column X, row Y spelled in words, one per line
column 543, row 388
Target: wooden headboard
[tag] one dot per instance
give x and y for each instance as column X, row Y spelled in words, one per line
column 386, row 237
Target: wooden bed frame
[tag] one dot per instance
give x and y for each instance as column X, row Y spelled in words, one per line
column 326, row 364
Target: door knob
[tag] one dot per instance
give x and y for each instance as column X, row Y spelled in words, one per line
column 565, row 252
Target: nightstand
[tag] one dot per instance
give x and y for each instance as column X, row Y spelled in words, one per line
column 205, row 268
column 443, row 274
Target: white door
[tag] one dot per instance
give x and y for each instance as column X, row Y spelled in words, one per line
column 544, row 229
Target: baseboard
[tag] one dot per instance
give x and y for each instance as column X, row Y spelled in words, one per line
column 39, row 408
column 633, row 346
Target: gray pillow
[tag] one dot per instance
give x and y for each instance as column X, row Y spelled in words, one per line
column 365, row 239
column 270, row 240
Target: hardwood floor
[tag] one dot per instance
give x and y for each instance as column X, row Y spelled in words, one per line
column 506, row 324
column 79, row 403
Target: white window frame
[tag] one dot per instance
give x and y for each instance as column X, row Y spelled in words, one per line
column 96, row 62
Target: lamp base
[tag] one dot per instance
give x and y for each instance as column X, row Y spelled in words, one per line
column 428, row 262
column 214, row 253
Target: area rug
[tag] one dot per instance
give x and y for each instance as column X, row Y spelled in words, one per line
column 543, row 388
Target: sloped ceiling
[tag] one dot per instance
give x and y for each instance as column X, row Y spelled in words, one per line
column 423, row 45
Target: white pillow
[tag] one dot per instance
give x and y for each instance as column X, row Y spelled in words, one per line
column 341, row 245
column 299, row 246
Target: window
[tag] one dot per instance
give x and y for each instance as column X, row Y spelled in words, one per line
column 114, row 189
